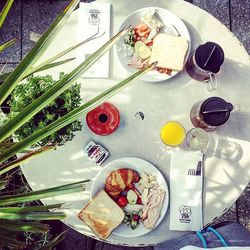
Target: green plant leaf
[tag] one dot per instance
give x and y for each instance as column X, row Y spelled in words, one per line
column 71, row 116
column 41, row 194
column 51, row 65
column 18, row 226
column 62, row 53
column 5, row 11
column 54, row 242
column 48, row 62
column 33, row 216
column 29, row 209
column 36, row 52
column 28, row 156
column 7, row 44
column 3, row 77
column 60, row 86
column 3, row 184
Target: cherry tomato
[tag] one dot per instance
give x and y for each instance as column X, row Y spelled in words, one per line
column 122, row 201
column 136, row 217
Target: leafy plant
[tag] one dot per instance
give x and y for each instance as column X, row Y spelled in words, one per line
column 13, row 218
column 7, row 44
column 25, row 93
column 35, row 53
column 4, row 12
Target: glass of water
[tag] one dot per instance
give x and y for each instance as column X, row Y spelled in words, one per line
column 197, row 139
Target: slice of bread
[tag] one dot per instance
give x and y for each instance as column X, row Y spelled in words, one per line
column 102, row 215
column 169, row 51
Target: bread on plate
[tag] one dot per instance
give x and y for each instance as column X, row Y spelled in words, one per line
column 169, row 51
column 102, row 215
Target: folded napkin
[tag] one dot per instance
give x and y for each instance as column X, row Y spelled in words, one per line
column 91, row 17
column 186, row 191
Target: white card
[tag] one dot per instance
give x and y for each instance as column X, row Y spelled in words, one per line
column 91, row 17
column 185, row 192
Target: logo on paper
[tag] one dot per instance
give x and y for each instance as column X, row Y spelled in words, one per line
column 185, row 212
column 94, row 18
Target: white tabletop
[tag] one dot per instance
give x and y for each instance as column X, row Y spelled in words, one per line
column 228, row 162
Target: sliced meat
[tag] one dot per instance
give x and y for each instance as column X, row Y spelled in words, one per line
column 152, row 210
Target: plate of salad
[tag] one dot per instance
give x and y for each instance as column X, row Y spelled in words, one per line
column 156, row 35
column 139, row 189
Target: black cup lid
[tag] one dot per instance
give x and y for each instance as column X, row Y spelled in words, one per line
column 209, row 56
column 215, row 111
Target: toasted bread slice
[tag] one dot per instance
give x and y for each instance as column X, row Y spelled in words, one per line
column 102, row 215
column 169, row 51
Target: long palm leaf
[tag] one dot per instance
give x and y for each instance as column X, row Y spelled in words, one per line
column 18, row 226
column 58, row 88
column 62, row 53
column 5, row 11
column 33, row 216
column 71, row 116
column 48, row 63
column 28, row 156
column 3, row 184
column 8, row 44
column 23, row 210
column 36, row 52
column 3, row 77
column 41, row 194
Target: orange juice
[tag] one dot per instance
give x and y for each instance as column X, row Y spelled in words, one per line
column 173, row 133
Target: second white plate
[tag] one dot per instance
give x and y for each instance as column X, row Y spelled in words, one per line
column 138, row 165
column 168, row 18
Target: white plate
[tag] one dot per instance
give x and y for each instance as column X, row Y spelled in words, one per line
column 168, row 18
column 138, row 165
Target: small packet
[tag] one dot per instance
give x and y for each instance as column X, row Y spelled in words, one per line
column 186, row 189
column 96, row 153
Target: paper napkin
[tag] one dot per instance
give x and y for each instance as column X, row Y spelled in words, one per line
column 185, row 192
column 91, row 17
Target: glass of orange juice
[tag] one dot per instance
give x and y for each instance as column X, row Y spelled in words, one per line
column 173, row 133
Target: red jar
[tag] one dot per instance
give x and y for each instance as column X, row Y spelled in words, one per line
column 104, row 119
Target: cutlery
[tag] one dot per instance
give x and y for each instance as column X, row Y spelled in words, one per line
column 198, row 169
column 191, row 171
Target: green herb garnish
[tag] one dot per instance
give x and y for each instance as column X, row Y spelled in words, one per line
column 129, row 38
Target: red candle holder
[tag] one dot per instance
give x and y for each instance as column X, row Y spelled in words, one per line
column 104, row 119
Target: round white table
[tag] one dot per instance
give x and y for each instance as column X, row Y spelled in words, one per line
column 227, row 167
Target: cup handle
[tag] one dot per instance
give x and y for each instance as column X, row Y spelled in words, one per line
column 211, row 83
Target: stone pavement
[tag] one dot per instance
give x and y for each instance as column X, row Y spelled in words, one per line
column 29, row 18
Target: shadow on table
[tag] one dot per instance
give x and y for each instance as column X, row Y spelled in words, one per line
column 224, row 148
column 195, row 37
column 227, row 177
column 236, row 75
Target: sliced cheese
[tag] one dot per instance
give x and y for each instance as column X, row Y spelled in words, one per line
column 169, row 51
